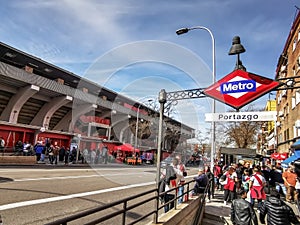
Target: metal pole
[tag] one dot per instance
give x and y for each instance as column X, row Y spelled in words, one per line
column 136, row 128
column 162, row 98
column 213, row 135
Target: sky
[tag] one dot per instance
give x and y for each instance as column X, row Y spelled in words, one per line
column 131, row 46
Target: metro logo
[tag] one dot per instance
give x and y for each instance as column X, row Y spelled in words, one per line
column 238, row 86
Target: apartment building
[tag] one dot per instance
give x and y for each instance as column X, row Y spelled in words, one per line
column 287, row 127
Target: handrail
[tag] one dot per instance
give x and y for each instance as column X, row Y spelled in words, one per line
column 201, row 208
column 64, row 221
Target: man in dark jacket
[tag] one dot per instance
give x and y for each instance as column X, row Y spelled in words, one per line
column 241, row 211
column 278, row 213
column 277, row 180
column 201, row 182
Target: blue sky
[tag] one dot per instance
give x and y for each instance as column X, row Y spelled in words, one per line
column 131, row 46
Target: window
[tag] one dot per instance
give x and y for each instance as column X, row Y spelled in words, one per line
column 296, row 132
column 286, row 135
column 297, row 101
column 293, row 102
column 294, row 44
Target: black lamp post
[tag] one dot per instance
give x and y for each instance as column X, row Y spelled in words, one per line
column 236, row 49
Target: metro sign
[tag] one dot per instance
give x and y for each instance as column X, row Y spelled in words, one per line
column 240, row 88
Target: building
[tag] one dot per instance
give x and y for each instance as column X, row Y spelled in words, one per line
column 288, row 96
column 42, row 102
column 266, row 139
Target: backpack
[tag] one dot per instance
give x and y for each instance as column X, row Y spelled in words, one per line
column 170, row 174
column 161, row 189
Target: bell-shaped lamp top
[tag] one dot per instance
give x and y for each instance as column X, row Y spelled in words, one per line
column 236, row 47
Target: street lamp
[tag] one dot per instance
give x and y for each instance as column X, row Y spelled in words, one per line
column 236, row 49
column 162, row 99
column 183, row 31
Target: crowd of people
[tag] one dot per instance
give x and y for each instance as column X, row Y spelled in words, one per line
column 54, row 154
column 265, row 189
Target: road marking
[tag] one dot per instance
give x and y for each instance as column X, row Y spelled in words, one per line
column 60, row 198
column 73, row 177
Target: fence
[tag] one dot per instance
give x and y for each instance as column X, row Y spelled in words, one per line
column 126, row 207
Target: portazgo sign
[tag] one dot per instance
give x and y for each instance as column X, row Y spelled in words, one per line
column 240, row 88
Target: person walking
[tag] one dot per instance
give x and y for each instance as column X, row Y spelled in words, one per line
column 256, row 187
column 38, row 148
column 168, row 175
column 67, row 153
column 230, row 185
column 217, row 174
column 61, row 153
column 246, row 180
column 277, row 211
column 104, row 154
column 277, row 180
column 181, row 173
column 50, row 152
column 210, row 176
column 242, row 212
column 290, row 179
column 55, row 154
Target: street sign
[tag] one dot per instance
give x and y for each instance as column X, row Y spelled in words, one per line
column 241, row 116
column 239, row 88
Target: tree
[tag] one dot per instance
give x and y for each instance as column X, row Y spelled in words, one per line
column 242, row 134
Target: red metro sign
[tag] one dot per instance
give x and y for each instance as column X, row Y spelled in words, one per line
column 239, row 88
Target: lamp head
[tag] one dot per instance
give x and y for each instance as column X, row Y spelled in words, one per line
column 182, row 31
column 236, row 47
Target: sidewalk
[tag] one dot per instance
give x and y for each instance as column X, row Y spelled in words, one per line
column 216, row 208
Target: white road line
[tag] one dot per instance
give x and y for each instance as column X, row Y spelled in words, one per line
column 58, row 169
column 73, row 177
column 60, row 198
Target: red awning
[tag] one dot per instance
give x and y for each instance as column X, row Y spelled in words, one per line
column 279, row 156
column 126, row 147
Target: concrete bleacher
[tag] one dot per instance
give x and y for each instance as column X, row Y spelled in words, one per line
column 16, row 159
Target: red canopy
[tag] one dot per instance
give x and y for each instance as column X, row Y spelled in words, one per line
column 279, row 156
column 126, row 147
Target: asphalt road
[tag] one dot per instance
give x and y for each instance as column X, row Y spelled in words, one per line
column 41, row 194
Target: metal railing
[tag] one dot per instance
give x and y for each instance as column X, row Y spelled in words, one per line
column 126, row 207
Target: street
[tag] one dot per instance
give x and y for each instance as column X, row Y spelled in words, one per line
column 43, row 194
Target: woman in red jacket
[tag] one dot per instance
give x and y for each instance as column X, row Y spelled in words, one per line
column 230, row 186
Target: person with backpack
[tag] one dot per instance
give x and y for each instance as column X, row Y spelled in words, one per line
column 165, row 184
